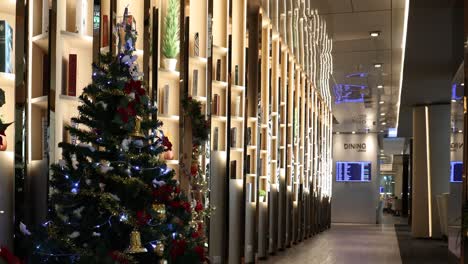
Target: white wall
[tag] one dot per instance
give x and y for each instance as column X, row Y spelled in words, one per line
column 355, row 202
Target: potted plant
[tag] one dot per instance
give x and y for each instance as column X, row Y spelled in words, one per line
column 262, row 195
column 3, row 125
column 170, row 45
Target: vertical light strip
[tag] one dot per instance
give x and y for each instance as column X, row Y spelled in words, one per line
column 403, row 52
column 30, row 26
column 428, row 162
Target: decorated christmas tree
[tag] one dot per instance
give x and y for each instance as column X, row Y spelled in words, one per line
column 112, row 198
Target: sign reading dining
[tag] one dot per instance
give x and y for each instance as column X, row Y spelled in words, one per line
column 359, row 147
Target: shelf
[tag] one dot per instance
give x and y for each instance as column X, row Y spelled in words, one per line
column 40, row 102
column 42, row 41
column 252, row 119
column 70, row 99
column 168, row 74
column 77, row 40
column 168, row 117
column 200, row 98
column 251, row 147
column 274, row 113
column 237, row 88
column 7, row 79
column 237, row 149
column 263, row 151
column 220, row 84
column 262, row 177
column 137, row 52
column 282, row 104
column 220, row 50
column 237, row 118
column 251, row 175
column 198, row 60
column 219, row 118
column 264, row 126
column 172, row 162
column 282, row 125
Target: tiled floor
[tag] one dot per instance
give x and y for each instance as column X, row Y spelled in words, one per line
column 345, row 244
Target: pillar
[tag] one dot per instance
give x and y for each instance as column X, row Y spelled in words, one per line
column 431, row 167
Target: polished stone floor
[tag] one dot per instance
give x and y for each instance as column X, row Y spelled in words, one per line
column 345, row 244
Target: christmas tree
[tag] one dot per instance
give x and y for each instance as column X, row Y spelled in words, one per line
column 112, row 198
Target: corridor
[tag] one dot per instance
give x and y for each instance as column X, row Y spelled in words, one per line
column 366, row 244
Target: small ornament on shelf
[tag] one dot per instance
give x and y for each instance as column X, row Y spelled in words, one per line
column 196, row 45
column 195, row 82
column 81, row 16
column 72, row 66
column 218, row 70
column 171, row 45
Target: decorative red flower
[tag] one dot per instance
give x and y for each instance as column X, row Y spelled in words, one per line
column 195, row 235
column 200, row 227
column 142, row 217
column 199, row 207
column 175, row 204
column 125, row 113
column 166, row 143
column 119, row 257
column 177, row 190
column 178, row 248
column 131, row 86
column 200, row 252
column 187, row 207
column 163, row 193
column 194, row 169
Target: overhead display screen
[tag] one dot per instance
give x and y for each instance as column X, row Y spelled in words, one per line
column 353, row 171
column 456, row 171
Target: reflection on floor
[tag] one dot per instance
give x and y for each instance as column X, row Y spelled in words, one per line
column 365, row 244
column 343, row 244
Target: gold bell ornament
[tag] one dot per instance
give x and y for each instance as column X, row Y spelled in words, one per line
column 135, row 244
column 160, row 209
column 137, row 131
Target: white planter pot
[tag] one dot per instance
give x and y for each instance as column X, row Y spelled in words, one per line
column 170, row 64
column 261, row 199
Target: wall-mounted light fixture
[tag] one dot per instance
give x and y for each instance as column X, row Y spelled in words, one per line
column 374, row 34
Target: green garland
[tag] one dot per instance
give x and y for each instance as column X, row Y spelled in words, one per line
column 200, row 126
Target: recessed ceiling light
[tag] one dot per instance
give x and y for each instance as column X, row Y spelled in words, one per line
column 374, row 34
column 379, row 86
column 354, row 132
column 337, row 133
column 384, row 123
column 381, row 131
column 462, row 84
column 377, row 65
column 454, row 101
column 460, row 131
column 382, row 114
column 381, row 102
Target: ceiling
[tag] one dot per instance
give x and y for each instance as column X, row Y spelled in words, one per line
column 357, row 99
column 434, row 51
